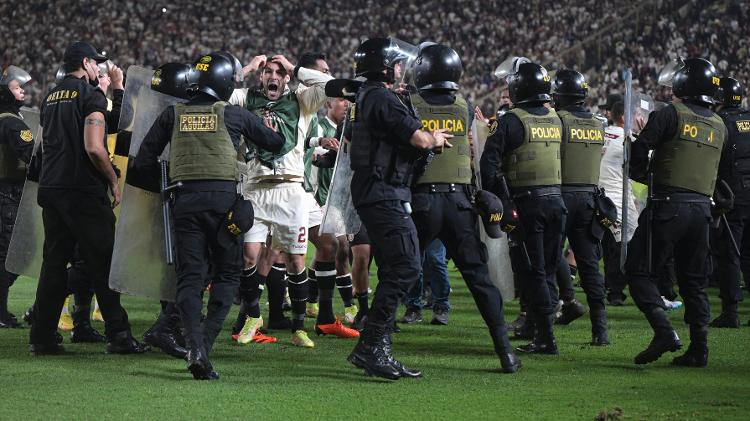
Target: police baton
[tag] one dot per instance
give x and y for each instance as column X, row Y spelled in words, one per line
column 723, row 218
column 166, row 211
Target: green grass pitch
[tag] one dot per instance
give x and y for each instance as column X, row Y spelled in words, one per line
column 279, row 381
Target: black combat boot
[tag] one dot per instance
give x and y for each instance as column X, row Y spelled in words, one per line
column 527, row 329
column 509, row 363
column 516, row 324
column 83, row 332
column 544, row 339
column 373, row 354
column 728, row 317
column 403, row 370
column 124, row 343
column 665, row 338
column 571, row 310
column 199, row 365
column 697, row 352
column 162, row 335
column 599, row 330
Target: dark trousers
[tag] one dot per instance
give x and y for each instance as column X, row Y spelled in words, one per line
column 564, row 279
column 585, row 245
column 75, row 219
column 10, row 197
column 614, row 279
column 395, row 246
column 542, row 220
column 730, row 266
column 451, row 218
column 679, row 229
column 198, row 248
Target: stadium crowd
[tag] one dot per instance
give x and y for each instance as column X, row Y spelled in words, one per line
column 156, row 33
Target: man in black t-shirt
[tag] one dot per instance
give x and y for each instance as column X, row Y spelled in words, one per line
column 74, row 180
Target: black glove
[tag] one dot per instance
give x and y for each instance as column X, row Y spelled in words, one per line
column 326, row 160
column 723, row 198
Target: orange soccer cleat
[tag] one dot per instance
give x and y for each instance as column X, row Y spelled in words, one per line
column 336, row 328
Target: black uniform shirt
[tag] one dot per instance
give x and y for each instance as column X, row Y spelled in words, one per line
column 113, row 117
column 65, row 163
column 661, row 127
column 507, row 135
column 14, row 132
column 382, row 110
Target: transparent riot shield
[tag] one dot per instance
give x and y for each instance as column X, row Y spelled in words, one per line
column 498, row 250
column 26, row 243
column 139, row 264
column 628, row 132
column 340, row 216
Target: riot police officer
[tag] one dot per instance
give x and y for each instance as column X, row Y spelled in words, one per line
column 204, row 135
column 581, row 155
column 386, row 139
column 16, row 144
column 687, row 139
column 521, row 164
column 443, row 195
column 734, row 169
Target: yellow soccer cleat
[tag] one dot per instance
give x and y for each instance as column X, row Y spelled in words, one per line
column 312, row 310
column 97, row 315
column 300, row 338
column 350, row 313
column 252, row 324
column 66, row 322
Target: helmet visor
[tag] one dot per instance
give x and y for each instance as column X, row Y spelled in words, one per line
column 666, row 75
column 509, row 66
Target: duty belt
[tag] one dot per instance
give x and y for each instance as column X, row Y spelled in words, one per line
column 537, row 192
column 681, row 198
column 579, row 189
column 439, row 188
column 209, row 186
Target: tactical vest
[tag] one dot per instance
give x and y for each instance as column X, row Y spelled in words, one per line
column 737, row 171
column 373, row 152
column 201, row 148
column 453, row 165
column 690, row 160
column 581, row 149
column 537, row 161
column 11, row 168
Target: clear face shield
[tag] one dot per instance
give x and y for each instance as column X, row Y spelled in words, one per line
column 666, row 75
column 405, row 55
column 509, row 66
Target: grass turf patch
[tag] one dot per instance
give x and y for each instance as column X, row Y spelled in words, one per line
column 276, row 381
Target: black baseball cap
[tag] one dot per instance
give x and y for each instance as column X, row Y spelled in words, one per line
column 490, row 208
column 612, row 99
column 237, row 221
column 79, row 50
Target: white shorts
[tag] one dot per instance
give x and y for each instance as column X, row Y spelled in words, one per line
column 281, row 208
column 316, row 213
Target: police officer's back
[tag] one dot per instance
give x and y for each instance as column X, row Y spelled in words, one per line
column 16, row 144
column 204, row 135
column 443, row 196
column 523, row 150
column 385, row 142
column 75, row 177
column 734, row 169
column 687, row 139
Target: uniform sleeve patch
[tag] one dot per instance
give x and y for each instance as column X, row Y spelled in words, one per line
column 493, row 128
column 26, row 136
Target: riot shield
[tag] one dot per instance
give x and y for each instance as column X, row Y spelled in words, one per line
column 27, row 241
column 628, row 131
column 498, row 263
column 139, row 260
column 340, row 217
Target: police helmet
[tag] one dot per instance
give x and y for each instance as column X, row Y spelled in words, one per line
column 529, row 83
column 173, row 79
column 217, row 74
column 10, row 74
column 569, row 83
column 696, row 81
column 730, row 92
column 378, row 54
column 437, row 67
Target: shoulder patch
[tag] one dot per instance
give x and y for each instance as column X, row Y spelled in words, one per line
column 493, row 128
column 26, row 136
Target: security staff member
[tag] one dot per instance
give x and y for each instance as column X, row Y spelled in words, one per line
column 734, row 169
column 523, row 149
column 581, row 155
column 204, row 135
column 386, row 139
column 75, row 176
column 687, row 140
column 16, row 144
column 443, row 195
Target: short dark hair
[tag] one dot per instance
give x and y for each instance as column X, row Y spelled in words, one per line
column 72, row 66
column 617, row 111
column 310, row 59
